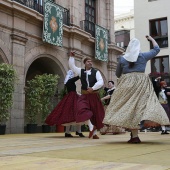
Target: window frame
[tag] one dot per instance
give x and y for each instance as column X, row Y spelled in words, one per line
column 90, row 18
column 159, row 38
column 160, row 66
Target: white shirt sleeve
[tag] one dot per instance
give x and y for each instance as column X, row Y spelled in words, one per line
column 72, row 66
column 99, row 82
column 162, row 94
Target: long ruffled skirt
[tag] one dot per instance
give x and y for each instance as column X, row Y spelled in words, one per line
column 111, row 129
column 167, row 109
column 89, row 106
column 65, row 111
column 135, row 101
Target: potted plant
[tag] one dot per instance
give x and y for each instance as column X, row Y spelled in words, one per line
column 39, row 92
column 49, row 85
column 7, row 83
column 33, row 103
column 62, row 93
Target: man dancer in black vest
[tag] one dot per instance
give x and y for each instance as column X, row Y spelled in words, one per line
column 89, row 107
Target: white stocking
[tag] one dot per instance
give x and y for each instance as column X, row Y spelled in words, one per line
column 134, row 133
column 88, row 122
column 163, row 128
column 95, row 132
column 78, row 128
column 67, row 129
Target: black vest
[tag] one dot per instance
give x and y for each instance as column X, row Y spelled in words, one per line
column 91, row 78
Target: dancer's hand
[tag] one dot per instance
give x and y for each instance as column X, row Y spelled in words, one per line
column 90, row 90
column 72, row 53
column 149, row 38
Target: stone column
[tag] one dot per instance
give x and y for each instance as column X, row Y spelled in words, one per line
column 110, row 19
column 75, row 12
column 18, row 109
column 112, row 63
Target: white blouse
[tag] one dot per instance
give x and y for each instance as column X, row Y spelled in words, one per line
column 77, row 70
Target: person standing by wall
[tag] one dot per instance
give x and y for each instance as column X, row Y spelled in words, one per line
column 163, row 94
column 164, row 102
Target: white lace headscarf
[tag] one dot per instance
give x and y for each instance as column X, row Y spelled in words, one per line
column 132, row 51
column 70, row 74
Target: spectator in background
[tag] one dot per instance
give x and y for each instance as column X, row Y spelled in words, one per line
column 163, row 93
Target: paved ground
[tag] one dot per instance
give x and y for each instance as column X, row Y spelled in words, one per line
column 52, row 151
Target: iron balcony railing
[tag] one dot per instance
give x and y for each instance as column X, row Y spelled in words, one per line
column 89, row 27
column 38, row 5
column 66, row 17
column 33, row 4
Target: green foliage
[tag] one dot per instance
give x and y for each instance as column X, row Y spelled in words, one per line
column 7, row 83
column 49, row 84
column 101, row 94
column 39, row 93
column 62, row 93
column 85, row 128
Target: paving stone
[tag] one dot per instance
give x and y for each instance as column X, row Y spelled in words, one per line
column 48, row 151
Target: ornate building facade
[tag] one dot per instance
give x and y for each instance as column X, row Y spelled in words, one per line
column 21, row 29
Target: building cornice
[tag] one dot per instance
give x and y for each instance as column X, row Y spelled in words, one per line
column 127, row 18
column 115, row 47
column 19, row 10
column 33, row 17
column 18, row 39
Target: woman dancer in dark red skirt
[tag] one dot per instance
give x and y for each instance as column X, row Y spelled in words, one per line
column 65, row 111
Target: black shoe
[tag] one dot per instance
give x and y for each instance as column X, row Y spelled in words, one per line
column 134, row 140
column 164, row 132
column 80, row 134
column 77, row 133
column 68, row 135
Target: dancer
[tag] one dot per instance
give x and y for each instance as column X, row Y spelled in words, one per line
column 110, row 129
column 89, row 105
column 134, row 99
column 163, row 94
column 65, row 112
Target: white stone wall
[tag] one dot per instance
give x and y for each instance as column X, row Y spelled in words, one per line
column 150, row 10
